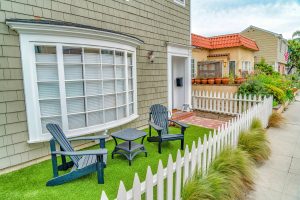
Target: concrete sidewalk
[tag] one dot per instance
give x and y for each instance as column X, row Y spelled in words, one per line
column 279, row 177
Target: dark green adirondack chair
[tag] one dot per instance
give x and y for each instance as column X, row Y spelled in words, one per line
column 82, row 162
column 159, row 120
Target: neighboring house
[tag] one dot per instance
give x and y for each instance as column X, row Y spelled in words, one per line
column 223, row 55
column 88, row 66
column 272, row 47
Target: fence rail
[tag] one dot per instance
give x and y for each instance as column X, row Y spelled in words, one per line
column 169, row 181
column 220, row 102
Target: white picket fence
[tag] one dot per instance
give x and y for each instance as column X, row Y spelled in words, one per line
column 220, row 102
column 175, row 174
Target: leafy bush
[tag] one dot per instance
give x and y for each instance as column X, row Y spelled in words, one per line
column 276, row 120
column 277, row 93
column 253, row 87
column 263, row 67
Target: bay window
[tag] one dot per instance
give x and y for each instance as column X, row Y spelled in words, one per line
column 84, row 85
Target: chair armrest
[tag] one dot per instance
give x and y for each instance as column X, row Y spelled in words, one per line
column 81, row 153
column 157, row 128
column 179, row 123
column 96, row 137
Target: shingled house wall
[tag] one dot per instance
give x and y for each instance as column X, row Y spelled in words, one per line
column 154, row 22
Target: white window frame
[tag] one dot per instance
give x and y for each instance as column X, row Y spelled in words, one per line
column 179, row 2
column 56, row 35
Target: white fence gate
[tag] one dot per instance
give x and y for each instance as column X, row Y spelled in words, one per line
column 198, row 158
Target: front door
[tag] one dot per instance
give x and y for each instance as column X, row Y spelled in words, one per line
column 179, row 83
column 232, row 68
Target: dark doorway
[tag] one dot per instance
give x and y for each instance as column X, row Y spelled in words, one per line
column 232, row 68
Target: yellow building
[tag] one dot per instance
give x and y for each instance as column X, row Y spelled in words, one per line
column 221, row 56
column 272, row 47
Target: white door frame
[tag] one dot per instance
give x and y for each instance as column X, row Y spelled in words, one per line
column 185, row 52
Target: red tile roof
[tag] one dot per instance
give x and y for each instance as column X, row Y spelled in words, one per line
column 223, row 41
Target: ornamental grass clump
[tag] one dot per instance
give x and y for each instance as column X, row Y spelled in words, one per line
column 276, row 120
column 256, row 124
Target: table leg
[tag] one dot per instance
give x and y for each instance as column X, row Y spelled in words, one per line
column 115, row 149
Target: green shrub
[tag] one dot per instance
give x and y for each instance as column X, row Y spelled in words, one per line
column 263, row 67
column 277, row 93
column 253, row 87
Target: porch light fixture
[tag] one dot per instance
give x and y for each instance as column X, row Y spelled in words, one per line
column 225, row 64
column 151, row 56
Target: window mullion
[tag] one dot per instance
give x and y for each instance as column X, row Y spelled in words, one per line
column 61, row 77
column 126, row 84
column 116, row 86
column 84, row 87
column 134, row 82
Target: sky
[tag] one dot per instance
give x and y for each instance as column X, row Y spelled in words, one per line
column 217, row 17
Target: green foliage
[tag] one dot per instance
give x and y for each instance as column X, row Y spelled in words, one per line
column 256, row 124
column 294, row 53
column 253, row 87
column 263, row 67
column 277, row 93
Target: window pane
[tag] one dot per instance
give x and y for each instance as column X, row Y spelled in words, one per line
column 95, row 118
column 49, row 107
column 108, row 72
column 91, row 55
column 131, row 109
column 109, row 101
column 121, row 99
column 130, row 86
column 72, row 55
column 76, row 121
column 74, row 89
column 108, row 87
column 120, row 57
column 94, row 103
column 93, row 72
column 121, row 112
column 129, row 72
column 48, row 90
column 121, row 86
column 130, row 97
column 129, row 58
column 110, row 115
column 73, row 72
column 46, row 72
column 120, row 72
column 93, row 87
column 75, row 105
column 54, row 120
column 45, row 54
column 107, row 56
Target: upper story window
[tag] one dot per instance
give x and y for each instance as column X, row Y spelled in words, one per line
column 180, row 2
column 85, row 85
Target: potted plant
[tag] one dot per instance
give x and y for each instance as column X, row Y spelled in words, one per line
column 218, row 80
column 211, row 80
column 225, row 79
column 237, row 80
column 204, row 80
column 231, row 78
column 198, row 81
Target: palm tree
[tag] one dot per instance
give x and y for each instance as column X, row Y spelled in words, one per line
column 296, row 35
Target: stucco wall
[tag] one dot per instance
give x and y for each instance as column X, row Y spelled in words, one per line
column 155, row 22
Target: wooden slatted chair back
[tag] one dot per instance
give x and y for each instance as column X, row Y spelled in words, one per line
column 159, row 115
column 62, row 140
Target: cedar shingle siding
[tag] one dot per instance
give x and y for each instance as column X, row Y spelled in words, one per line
column 154, row 22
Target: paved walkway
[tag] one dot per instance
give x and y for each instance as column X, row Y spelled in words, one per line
column 203, row 122
column 279, row 177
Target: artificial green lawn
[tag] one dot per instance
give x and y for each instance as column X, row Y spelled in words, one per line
column 30, row 182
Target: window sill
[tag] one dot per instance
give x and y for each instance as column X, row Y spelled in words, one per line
column 87, row 130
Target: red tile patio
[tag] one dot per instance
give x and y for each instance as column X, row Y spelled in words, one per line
column 203, row 122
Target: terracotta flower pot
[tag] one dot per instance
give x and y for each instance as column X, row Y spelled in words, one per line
column 218, row 80
column 237, row 81
column 211, row 81
column 197, row 81
column 204, row 81
column 243, row 80
column 225, row 81
column 193, row 81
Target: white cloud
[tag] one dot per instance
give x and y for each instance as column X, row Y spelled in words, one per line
column 215, row 17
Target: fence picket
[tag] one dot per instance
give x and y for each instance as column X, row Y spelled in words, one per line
column 178, row 176
column 186, row 164
column 122, row 194
column 136, row 189
column 103, row 196
column 149, row 184
column 204, row 155
column 170, row 178
column 160, row 181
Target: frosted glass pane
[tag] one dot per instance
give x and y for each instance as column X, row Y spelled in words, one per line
column 45, row 54
column 120, row 57
column 109, row 101
column 131, row 109
column 93, row 72
column 130, row 84
column 110, row 115
column 94, row 103
column 91, row 55
column 75, row 105
column 121, row 112
column 48, row 90
column 76, row 121
column 121, row 99
column 54, row 120
column 107, row 56
column 73, row 72
column 120, row 71
column 130, row 72
column 130, row 97
column 121, row 86
column 108, row 87
column 74, row 89
column 46, row 72
column 50, row 108
column 108, row 71
column 72, row 55
column 93, row 87
column 129, row 58
column 95, row 118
